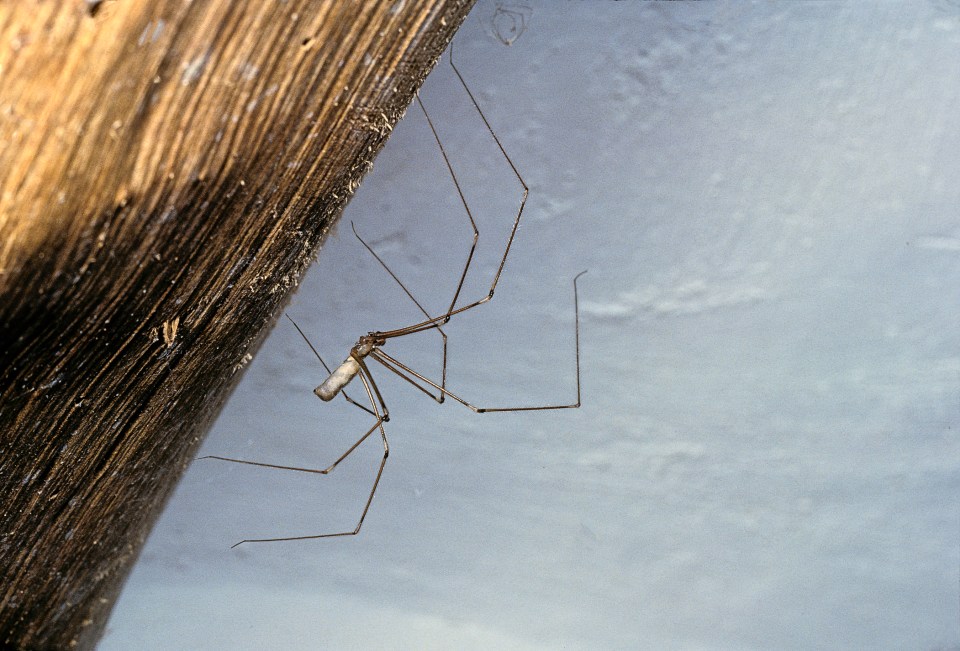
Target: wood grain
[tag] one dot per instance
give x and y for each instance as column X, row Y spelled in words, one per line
column 167, row 173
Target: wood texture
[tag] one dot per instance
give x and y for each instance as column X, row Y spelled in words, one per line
column 168, row 170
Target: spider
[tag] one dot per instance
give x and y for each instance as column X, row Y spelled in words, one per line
column 370, row 346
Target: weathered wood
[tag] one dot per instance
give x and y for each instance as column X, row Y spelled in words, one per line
column 168, row 170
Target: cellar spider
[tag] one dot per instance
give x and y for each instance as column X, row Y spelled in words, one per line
column 370, row 345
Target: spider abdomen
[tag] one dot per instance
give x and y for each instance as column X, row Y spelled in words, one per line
column 340, row 377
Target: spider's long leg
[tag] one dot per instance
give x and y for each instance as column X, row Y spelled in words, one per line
column 463, row 200
column 506, row 156
column 412, row 376
column 443, row 374
column 373, row 412
column 371, row 388
column 437, row 321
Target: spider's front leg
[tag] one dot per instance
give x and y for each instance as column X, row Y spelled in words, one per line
column 381, row 415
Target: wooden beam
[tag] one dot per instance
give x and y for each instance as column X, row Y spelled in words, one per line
column 168, row 171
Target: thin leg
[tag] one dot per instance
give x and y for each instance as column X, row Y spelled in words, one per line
column 412, row 376
column 371, row 388
column 437, row 321
column 443, row 374
column 463, row 200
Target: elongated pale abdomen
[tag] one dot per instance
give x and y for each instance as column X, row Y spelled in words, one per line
column 340, row 378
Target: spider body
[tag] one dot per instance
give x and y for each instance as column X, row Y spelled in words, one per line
column 350, row 367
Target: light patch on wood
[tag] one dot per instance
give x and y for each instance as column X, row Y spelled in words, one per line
column 170, row 331
column 243, row 362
